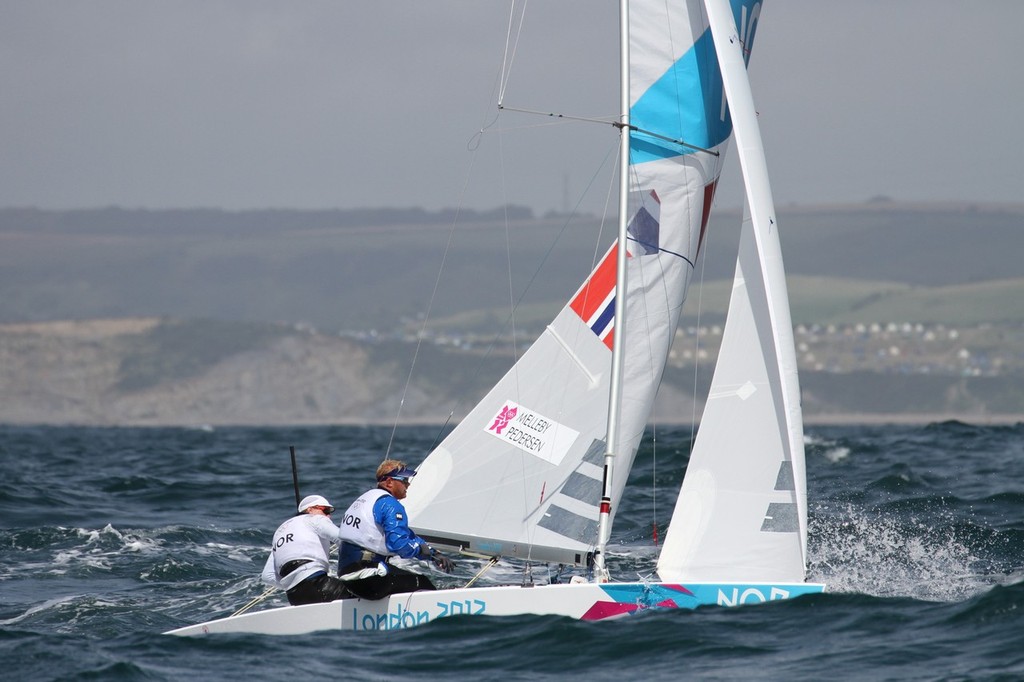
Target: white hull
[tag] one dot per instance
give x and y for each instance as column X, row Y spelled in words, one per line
column 584, row 601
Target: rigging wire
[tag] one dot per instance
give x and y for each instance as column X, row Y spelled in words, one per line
column 501, row 82
column 696, row 337
column 489, row 119
column 421, row 334
column 702, row 256
column 527, row 575
column 511, row 46
column 613, row 123
column 423, row 325
column 654, row 481
column 642, row 197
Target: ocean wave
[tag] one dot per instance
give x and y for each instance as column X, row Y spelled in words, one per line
column 113, row 536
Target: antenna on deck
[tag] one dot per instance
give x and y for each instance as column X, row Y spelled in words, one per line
column 295, row 475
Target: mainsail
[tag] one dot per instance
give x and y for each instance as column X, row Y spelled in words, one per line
column 521, row 475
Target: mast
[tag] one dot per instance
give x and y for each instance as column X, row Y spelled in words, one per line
column 618, row 346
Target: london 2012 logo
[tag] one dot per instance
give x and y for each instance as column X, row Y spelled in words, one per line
column 530, row 431
column 501, row 421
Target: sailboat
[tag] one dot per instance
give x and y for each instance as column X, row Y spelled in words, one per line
column 536, row 469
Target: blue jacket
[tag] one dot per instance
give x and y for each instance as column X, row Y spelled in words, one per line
column 392, row 519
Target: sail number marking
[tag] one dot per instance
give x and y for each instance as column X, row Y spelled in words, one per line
column 750, row 595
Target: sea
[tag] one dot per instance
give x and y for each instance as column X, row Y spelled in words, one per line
column 112, row 536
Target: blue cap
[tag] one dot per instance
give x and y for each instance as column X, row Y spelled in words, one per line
column 404, row 472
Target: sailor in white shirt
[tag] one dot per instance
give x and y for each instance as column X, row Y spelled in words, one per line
column 298, row 561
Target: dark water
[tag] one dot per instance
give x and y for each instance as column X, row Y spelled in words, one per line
column 111, row 536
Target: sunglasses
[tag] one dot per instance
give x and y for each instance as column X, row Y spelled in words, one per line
column 326, row 510
column 401, row 479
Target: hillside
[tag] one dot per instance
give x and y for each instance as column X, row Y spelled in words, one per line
column 149, row 371
column 113, row 316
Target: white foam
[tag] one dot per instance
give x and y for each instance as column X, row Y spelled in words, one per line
column 833, row 452
column 45, row 606
column 884, row 557
column 835, row 455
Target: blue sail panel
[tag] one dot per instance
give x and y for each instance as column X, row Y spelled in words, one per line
column 684, row 104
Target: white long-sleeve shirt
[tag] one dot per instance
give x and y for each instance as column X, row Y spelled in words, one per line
column 303, row 537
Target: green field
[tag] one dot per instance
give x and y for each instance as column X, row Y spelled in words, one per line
column 813, row 300
column 826, row 300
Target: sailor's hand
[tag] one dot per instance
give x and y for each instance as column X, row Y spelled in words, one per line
column 442, row 562
column 439, row 560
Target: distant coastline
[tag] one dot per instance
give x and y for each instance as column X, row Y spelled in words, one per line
column 162, row 372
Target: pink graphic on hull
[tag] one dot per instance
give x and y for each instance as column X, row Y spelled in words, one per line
column 608, row 609
column 630, row 598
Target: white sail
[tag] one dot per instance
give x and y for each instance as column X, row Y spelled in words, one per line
column 531, row 488
column 742, row 510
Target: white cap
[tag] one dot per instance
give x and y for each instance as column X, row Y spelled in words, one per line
column 314, row 501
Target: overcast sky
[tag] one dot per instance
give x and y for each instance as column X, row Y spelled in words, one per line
column 267, row 104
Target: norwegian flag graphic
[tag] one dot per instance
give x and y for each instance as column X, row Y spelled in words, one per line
column 595, row 302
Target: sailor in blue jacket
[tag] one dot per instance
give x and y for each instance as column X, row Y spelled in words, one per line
column 375, row 528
